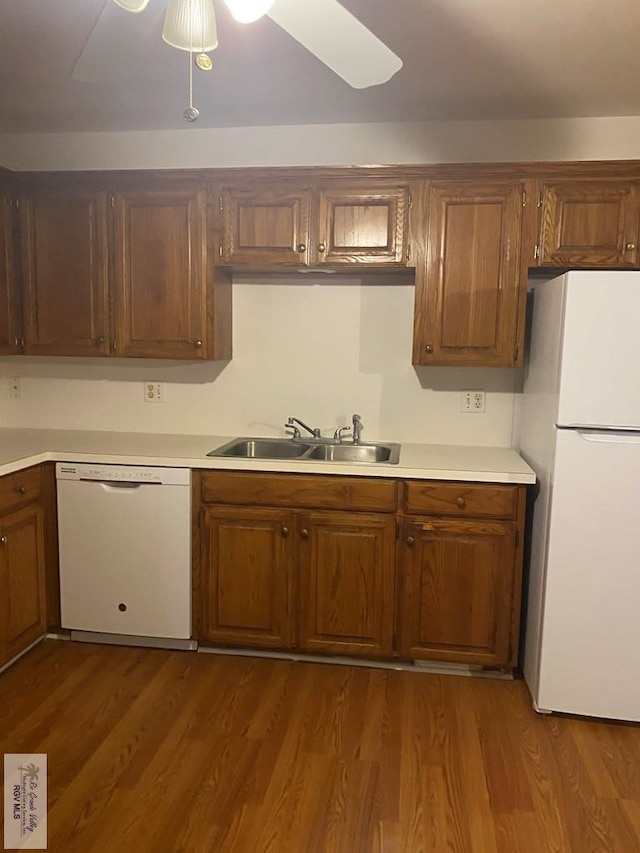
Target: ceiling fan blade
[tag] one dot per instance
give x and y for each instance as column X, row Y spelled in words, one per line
column 115, row 37
column 338, row 39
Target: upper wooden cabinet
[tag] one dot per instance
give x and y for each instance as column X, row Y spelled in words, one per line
column 65, row 273
column 590, row 224
column 470, row 293
column 10, row 328
column 159, row 276
column 338, row 225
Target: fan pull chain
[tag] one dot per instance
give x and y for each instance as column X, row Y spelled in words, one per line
column 203, row 61
column 191, row 113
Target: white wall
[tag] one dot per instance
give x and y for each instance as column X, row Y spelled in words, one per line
column 614, row 138
column 319, row 351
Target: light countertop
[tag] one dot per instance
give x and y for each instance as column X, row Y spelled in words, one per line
column 20, row 448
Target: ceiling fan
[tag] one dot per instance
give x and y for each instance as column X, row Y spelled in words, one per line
column 324, row 27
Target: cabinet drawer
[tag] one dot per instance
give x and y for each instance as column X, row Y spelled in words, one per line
column 299, row 490
column 463, row 499
column 20, row 488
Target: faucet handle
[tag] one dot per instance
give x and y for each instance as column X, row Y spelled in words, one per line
column 337, row 436
column 292, row 426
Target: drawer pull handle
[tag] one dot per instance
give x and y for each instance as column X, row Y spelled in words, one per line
column 301, row 248
column 100, row 340
column 285, row 531
column 461, row 503
column 21, row 490
column 197, row 344
column 3, row 540
column 428, row 349
column 630, row 247
column 411, row 541
column 322, row 247
column 304, row 533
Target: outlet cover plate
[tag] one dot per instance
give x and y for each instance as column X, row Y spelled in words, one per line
column 473, row 402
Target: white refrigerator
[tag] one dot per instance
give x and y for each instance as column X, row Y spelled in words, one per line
column 578, row 426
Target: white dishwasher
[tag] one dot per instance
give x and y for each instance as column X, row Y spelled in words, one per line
column 125, row 553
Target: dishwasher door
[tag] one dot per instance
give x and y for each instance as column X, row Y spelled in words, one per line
column 125, row 552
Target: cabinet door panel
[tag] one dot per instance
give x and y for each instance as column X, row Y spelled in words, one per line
column 590, row 223
column 267, row 227
column 9, row 295
column 346, row 583
column 458, row 579
column 246, row 577
column 21, row 580
column 160, row 274
column 64, row 239
column 360, row 226
column 467, row 299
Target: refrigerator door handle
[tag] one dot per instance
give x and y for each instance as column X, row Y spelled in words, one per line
column 610, row 436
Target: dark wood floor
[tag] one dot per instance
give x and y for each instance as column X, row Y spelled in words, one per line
column 174, row 751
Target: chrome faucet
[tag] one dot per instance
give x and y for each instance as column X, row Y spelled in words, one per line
column 357, row 428
column 291, row 424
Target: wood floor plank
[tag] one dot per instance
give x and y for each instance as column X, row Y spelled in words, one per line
column 154, row 751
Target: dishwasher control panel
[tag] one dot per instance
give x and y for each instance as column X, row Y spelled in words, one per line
column 124, row 474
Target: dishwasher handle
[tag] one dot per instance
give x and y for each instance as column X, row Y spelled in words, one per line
column 119, row 484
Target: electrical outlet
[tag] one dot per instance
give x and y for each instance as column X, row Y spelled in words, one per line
column 473, row 401
column 154, row 392
column 15, row 388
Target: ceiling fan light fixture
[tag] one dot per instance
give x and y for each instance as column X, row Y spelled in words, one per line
column 247, row 11
column 190, row 25
column 133, row 5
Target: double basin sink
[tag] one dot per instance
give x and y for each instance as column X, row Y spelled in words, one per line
column 324, row 451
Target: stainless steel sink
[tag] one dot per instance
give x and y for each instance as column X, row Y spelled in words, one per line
column 262, row 448
column 356, row 453
column 323, row 451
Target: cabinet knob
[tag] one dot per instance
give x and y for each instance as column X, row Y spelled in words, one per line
column 428, row 349
column 3, row 540
column 304, row 533
column 21, row 490
column 285, row 531
column 630, row 247
column 301, row 247
column 461, row 502
column 197, row 344
column 322, row 247
column 100, row 340
column 411, row 541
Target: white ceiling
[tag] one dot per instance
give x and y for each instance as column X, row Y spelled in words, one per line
column 463, row 59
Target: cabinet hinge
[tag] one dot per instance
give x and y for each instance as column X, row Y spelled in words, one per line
column 408, row 252
column 516, row 353
column 220, row 250
column 540, row 199
column 220, row 205
column 524, row 197
column 112, row 201
column 536, row 252
column 410, row 201
column 16, row 201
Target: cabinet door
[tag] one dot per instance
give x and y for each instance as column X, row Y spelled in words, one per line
column 266, row 227
column 346, row 583
column 363, row 226
column 590, row 224
column 469, row 295
column 458, row 591
column 9, row 299
column 160, row 273
column 245, row 577
column 65, row 269
column 22, row 580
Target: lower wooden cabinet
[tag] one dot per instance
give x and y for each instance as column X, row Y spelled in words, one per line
column 246, row 586
column 363, row 567
column 458, row 590
column 346, row 583
column 22, row 580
